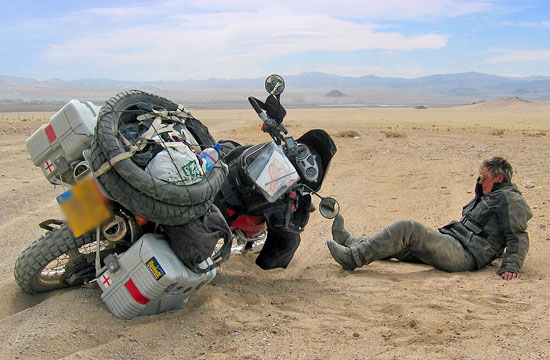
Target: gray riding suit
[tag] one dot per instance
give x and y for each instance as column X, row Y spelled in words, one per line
column 490, row 223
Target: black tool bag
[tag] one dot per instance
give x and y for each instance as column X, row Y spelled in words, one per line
column 194, row 242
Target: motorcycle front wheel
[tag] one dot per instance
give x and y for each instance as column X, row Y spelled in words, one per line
column 56, row 260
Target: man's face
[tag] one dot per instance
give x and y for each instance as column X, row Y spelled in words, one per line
column 487, row 180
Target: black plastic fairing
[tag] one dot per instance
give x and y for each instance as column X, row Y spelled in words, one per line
column 322, row 143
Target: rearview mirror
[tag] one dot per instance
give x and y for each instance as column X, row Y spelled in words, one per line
column 274, row 84
column 329, row 208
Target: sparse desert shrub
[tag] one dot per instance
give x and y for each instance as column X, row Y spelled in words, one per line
column 394, row 134
column 537, row 134
column 348, row 133
column 497, row 132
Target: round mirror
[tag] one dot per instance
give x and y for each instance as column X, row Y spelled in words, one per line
column 274, row 84
column 329, row 208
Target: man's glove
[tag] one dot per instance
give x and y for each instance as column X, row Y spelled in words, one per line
column 479, row 189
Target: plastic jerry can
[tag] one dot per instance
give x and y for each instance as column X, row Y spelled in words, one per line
column 149, row 278
column 57, row 146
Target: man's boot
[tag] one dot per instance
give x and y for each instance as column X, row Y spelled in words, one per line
column 340, row 235
column 345, row 256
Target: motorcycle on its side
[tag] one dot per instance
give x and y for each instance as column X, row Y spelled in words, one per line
column 148, row 242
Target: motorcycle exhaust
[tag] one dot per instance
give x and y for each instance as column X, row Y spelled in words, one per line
column 115, row 230
column 81, row 170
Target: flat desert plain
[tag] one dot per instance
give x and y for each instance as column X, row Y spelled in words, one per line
column 403, row 163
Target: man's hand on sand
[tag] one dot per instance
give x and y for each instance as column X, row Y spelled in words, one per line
column 509, row 276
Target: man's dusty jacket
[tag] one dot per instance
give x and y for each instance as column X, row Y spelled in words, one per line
column 493, row 222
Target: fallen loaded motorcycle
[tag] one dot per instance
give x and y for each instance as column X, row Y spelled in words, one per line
column 153, row 204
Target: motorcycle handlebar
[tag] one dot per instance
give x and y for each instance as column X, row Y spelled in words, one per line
column 260, row 112
column 255, row 105
column 271, row 126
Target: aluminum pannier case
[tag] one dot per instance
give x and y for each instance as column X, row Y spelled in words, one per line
column 56, row 147
column 148, row 279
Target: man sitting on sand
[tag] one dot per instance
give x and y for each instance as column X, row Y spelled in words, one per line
column 494, row 220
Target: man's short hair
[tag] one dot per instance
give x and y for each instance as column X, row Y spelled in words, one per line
column 498, row 165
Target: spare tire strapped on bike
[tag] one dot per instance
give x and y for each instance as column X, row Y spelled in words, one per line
column 194, row 239
column 118, row 117
column 118, row 137
column 155, row 129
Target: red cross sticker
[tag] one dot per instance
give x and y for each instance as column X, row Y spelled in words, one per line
column 48, row 166
column 106, row 280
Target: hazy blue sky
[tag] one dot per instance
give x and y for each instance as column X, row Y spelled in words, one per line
column 177, row 40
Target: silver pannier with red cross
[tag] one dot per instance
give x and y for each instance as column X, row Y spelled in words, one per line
column 149, row 278
column 56, row 147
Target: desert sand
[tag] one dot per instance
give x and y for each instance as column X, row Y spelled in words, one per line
column 404, row 163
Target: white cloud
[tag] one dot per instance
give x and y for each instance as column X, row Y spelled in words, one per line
column 205, row 38
column 521, row 55
column 369, row 9
column 204, row 45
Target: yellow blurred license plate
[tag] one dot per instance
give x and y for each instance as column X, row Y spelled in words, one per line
column 84, row 207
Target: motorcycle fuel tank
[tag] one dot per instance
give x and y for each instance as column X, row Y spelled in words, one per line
column 148, row 279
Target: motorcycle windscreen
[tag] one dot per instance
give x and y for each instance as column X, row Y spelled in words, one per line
column 272, row 172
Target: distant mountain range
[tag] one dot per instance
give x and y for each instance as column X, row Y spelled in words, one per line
column 301, row 90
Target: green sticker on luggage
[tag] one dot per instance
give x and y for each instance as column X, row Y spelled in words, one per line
column 192, row 171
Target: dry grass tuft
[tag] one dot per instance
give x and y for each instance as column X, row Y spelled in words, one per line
column 537, row 134
column 394, row 134
column 497, row 132
column 348, row 133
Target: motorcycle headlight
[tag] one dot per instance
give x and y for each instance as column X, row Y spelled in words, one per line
column 307, row 163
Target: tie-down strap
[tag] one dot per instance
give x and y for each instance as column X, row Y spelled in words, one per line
column 158, row 126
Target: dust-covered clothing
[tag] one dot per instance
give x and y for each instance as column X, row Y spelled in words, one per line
column 490, row 224
column 411, row 241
